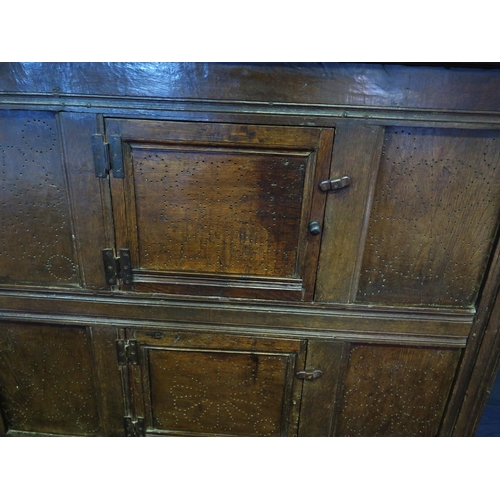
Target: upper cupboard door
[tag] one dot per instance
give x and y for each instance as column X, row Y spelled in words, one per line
column 219, row 209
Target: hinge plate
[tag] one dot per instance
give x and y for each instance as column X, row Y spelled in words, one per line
column 335, row 184
column 134, row 429
column 117, row 267
column 108, row 156
column 125, row 266
column 101, row 156
column 110, row 266
column 127, row 352
column 116, row 156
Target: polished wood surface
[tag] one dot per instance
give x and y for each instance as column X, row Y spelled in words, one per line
column 394, row 301
column 356, row 85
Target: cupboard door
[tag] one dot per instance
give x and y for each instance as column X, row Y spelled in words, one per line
column 219, row 209
column 200, row 384
column 47, row 382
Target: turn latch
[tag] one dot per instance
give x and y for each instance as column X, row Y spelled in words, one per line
column 334, row 184
column 311, row 375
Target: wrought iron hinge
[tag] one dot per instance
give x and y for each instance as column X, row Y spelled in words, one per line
column 116, row 268
column 127, row 352
column 309, row 375
column 134, row 429
column 334, row 184
column 108, row 156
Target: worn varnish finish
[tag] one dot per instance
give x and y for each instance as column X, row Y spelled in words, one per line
column 394, row 300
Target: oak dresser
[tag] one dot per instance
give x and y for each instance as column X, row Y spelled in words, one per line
column 248, row 249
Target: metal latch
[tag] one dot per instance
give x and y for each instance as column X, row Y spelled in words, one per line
column 334, row 184
column 311, row 375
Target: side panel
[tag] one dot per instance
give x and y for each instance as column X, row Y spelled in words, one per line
column 47, row 381
column 395, row 390
column 35, row 222
column 434, row 217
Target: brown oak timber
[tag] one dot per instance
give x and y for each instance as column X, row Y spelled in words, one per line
column 248, row 249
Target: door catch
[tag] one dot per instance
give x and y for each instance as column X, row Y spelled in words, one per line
column 309, row 375
column 334, row 184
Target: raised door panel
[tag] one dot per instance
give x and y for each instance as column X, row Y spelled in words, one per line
column 220, row 209
column 36, row 246
column 395, row 390
column 47, row 382
column 216, row 385
column 434, row 218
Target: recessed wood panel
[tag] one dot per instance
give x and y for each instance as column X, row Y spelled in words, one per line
column 35, row 226
column 218, row 392
column 201, row 383
column 395, row 391
column 434, row 217
column 46, row 380
column 218, row 212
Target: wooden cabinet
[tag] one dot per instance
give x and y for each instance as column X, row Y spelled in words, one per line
column 285, row 260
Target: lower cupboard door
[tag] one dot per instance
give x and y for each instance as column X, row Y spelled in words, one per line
column 201, row 387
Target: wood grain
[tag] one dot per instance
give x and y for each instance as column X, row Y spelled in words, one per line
column 108, row 380
column 36, row 246
column 214, row 387
column 333, row 323
column 480, row 359
column 46, row 379
column 189, row 206
column 356, row 154
column 319, row 396
column 355, row 84
column 395, row 391
column 86, row 199
column 434, row 218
